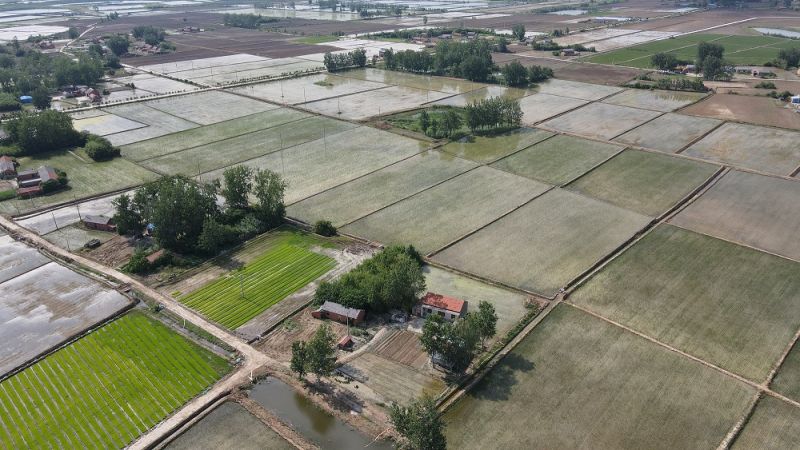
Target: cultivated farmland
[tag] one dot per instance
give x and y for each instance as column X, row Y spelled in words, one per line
column 787, row 380
column 484, row 93
column 307, row 89
column 546, row 243
column 105, row 389
column 539, row 107
column 324, row 163
column 105, row 124
column 579, row 382
column 648, row 183
column 616, row 120
column 756, row 210
column 229, row 426
column 730, row 305
column 774, row 425
column 487, row 149
column 767, row 149
column 669, row 133
column 363, row 105
column 409, row 80
column 209, row 107
column 243, row 294
column 350, row 201
column 576, row 89
column 158, row 123
column 558, row 160
column 747, row 108
column 444, row 213
column 664, row 101
column 218, row 132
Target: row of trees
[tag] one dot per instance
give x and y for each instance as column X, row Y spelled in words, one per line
column 185, row 215
column 339, row 61
column 44, row 132
column 251, row 21
column 446, row 124
column 149, row 34
column 455, row 344
column 517, row 75
column 493, row 113
column 710, row 61
column 392, row 279
column 471, row 60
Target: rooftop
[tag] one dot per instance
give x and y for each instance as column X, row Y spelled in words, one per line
column 443, row 302
column 341, row 310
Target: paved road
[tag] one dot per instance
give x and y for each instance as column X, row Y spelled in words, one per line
column 253, row 359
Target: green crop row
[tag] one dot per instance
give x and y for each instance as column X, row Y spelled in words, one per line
column 242, row 295
column 105, row 389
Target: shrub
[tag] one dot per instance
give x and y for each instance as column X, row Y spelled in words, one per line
column 8, row 103
column 137, row 264
column 324, row 228
column 99, row 148
column 766, row 85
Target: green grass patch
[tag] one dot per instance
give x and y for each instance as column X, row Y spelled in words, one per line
column 579, row 382
column 107, row 388
column 730, row 305
column 285, row 267
column 775, row 424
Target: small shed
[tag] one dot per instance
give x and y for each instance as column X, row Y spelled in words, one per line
column 153, row 257
column 101, row 223
column 339, row 313
column 345, row 343
column 30, row 191
column 8, row 170
column 25, row 99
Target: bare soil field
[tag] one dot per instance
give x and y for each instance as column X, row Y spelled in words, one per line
column 706, row 19
column 403, row 347
column 615, row 120
column 732, row 306
column 648, row 183
column 444, row 213
column 573, row 70
column 669, row 133
column 350, row 201
column 756, row 210
column 300, row 327
column 760, row 148
column 391, row 380
column 229, row 426
column 579, row 382
column 774, row 425
column 664, row 101
column 543, row 245
column 740, row 108
column 558, row 160
column 45, row 306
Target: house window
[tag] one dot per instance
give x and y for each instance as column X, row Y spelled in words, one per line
column 441, row 313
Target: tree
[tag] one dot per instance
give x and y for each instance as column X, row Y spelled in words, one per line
column 237, row 182
column 8, row 102
column 537, row 74
column 474, row 68
column 664, row 61
column 424, row 121
column 73, row 33
column 515, row 74
column 706, row 50
column 215, row 236
column 99, row 148
column 118, row 44
column 715, row 68
column 452, row 343
column 789, row 57
column 299, row 358
column 268, row 188
column 359, row 57
column 321, row 352
column 127, row 219
column 420, row 424
column 518, row 31
column 41, row 97
column 484, row 320
column 502, row 45
column 47, row 131
column 451, row 122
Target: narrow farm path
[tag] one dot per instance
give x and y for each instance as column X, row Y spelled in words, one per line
column 253, row 359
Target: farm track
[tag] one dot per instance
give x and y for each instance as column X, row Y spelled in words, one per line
column 252, row 358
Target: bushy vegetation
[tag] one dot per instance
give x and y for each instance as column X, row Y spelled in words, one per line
column 324, row 228
column 185, row 215
column 118, row 44
column 251, row 21
column 455, row 344
column 420, row 424
column 664, row 61
column 710, row 61
column 8, row 102
column 516, row 75
column 471, row 60
column 44, row 132
column 57, row 184
column 673, row 84
column 149, row 34
column 339, row 61
column 789, row 57
column 392, row 279
column 317, row 356
column 441, row 122
column 99, row 148
column 765, row 85
column 493, row 113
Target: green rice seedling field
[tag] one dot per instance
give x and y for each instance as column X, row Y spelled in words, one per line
column 732, row 306
column 243, row 294
column 105, row 389
column 787, row 380
column 645, row 182
column 579, row 382
column 558, row 160
column 774, row 425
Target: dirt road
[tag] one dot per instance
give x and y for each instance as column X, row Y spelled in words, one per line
column 253, row 359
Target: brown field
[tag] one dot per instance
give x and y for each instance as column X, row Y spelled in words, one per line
column 300, row 327
column 403, row 347
column 573, row 70
column 741, row 108
column 757, row 210
column 706, row 19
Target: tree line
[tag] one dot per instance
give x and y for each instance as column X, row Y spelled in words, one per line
column 517, row 75
column 471, row 60
column 251, row 21
column 186, row 218
column 493, row 113
column 340, row 61
column 391, row 279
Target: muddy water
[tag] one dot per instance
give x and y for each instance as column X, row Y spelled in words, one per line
column 308, row 419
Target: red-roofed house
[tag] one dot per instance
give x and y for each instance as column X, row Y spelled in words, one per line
column 448, row 307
